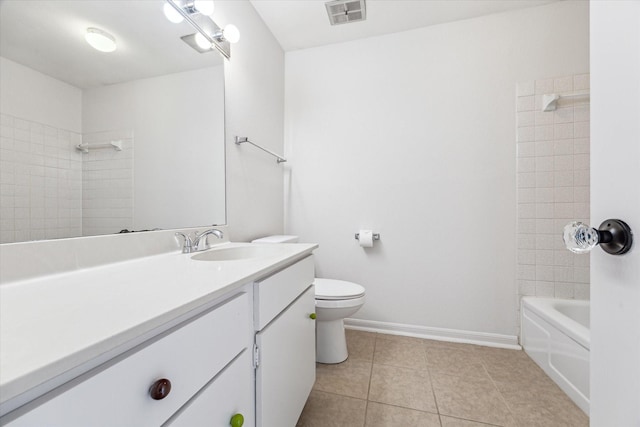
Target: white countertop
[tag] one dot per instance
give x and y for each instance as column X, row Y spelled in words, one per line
column 54, row 324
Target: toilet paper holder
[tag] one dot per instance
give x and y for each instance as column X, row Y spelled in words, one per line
column 376, row 236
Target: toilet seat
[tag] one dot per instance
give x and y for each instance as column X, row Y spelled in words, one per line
column 336, row 290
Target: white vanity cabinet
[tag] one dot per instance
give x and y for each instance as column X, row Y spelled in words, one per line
column 249, row 352
column 131, row 392
column 285, row 344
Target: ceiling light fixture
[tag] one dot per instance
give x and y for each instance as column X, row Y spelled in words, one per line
column 100, row 40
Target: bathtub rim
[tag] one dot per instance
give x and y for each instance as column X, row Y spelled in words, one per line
column 544, row 307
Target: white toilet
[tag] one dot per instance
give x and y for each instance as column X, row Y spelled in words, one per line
column 335, row 300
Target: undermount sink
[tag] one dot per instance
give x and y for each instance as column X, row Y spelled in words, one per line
column 238, row 253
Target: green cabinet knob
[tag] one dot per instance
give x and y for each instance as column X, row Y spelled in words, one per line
column 312, row 316
column 237, row 420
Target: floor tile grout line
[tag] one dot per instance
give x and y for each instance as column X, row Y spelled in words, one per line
column 366, row 408
column 433, row 392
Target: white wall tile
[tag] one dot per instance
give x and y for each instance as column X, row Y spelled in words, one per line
column 544, row 133
column 526, row 118
column 581, row 113
column 526, row 226
column 581, row 129
column 581, row 178
column 563, row 84
column 544, row 272
column 563, row 130
column 526, row 164
column 581, row 194
column 544, row 179
column 544, row 210
column 544, row 163
column 545, row 241
column 544, row 86
column 545, row 289
column 526, row 88
column 526, row 180
column 563, row 163
column 544, row 148
column 563, row 115
column 581, row 161
column 543, row 118
column 526, row 195
column 564, row 290
column 563, row 194
column 525, row 103
column 582, row 291
column 544, row 195
column 581, row 82
column 526, row 134
column 560, row 193
column 563, row 147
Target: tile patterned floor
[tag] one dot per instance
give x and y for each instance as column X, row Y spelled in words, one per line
column 400, row 381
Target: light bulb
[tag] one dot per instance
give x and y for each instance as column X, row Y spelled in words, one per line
column 172, row 14
column 202, row 42
column 231, row 33
column 205, row 7
column 100, row 40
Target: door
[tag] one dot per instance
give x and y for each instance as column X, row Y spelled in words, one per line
column 615, row 193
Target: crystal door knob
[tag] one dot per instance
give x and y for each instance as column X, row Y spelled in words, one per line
column 614, row 236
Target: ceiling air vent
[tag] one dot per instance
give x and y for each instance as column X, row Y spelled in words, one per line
column 345, row 11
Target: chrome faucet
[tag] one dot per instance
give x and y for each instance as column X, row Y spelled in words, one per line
column 193, row 245
column 204, row 235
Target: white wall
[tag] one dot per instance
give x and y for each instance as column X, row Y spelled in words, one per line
column 174, row 119
column 615, row 174
column 34, row 96
column 254, row 84
column 411, row 134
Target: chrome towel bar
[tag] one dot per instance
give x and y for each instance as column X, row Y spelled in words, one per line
column 243, row 139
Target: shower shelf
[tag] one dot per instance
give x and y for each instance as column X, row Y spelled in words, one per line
column 116, row 145
column 550, row 101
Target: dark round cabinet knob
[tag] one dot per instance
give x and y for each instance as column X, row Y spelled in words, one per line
column 160, row 389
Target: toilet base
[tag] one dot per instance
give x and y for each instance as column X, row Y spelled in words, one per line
column 331, row 343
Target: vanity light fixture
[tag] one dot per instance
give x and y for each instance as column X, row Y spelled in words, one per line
column 205, row 7
column 100, row 40
column 172, row 14
column 230, row 33
column 209, row 35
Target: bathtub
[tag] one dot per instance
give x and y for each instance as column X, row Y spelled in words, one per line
column 555, row 334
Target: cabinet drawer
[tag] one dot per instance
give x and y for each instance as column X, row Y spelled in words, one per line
column 275, row 293
column 228, row 394
column 119, row 395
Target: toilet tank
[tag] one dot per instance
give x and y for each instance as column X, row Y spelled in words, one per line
column 277, row 239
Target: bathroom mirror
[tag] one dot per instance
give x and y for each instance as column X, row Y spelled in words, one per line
column 97, row 142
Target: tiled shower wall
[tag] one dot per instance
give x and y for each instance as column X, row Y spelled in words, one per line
column 553, row 187
column 107, row 184
column 40, row 181
column 50, row 190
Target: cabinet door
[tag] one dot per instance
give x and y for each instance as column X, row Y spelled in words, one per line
column 287, row 368
column 228, row 394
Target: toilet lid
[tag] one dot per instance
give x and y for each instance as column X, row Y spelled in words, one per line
column 329, row 289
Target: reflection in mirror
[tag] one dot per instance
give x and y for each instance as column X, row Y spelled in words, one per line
column 96, row 142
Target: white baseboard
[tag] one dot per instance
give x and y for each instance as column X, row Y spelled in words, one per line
column 439, row 334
